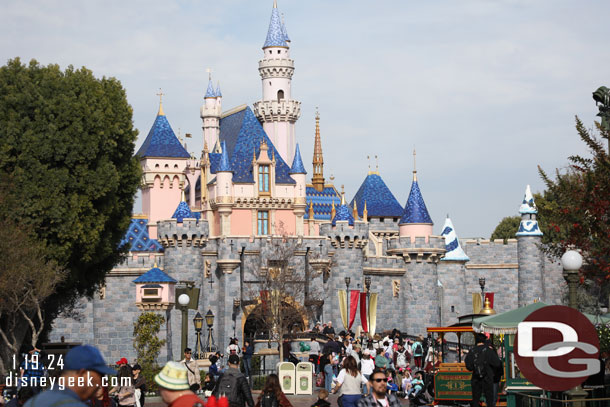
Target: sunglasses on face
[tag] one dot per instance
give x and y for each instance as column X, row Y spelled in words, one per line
column 379, row 380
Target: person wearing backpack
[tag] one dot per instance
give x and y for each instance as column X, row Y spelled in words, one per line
column 272, row 394
column 418, row 352
column 234, row 386
column 482, row 361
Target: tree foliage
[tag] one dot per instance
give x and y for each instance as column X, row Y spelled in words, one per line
column 575, row 208
column 67, row 142
column 507, row 228
column 145, row 338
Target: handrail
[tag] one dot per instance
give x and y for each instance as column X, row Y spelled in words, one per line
column 560, row 400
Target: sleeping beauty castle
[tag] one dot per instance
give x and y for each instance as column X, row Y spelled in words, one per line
column 209, row 222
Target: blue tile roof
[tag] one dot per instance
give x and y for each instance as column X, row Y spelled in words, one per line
column 344, row 213
column 224, row 165
column 528, row 205
column 242, row 134
column 218, row 92
column 210, row 92
column 379, row 199
column 154, row 275
column 322, row 201
column 415, row 209
column 276, row 36
column 529, row 228
column 162, row 142
column 297, row 163
column 452, row 243
column 138, row 239
column 183, row 211
column 284, row 32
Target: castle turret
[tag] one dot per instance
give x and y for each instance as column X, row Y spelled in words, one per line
column 318, row 159
column 298, row 174
column 415, row 221
column 224, row 191
column 163, row 160
column 451, row 275
column 277, row 111
column 210, row 113
column 530, row 257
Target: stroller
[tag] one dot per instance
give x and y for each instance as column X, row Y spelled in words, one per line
column 418, row 395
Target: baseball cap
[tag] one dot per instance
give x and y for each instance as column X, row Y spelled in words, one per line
column 87, row 357
column 234, row 360
column 173, row 376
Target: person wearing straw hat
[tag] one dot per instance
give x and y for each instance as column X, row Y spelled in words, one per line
column 174, row 386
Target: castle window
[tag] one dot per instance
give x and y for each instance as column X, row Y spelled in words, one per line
column 151, row 292
column 263, row 178
column 279, row 50
column 452, row 308
column 381, row 220
column 280, row 95
column 263, row 222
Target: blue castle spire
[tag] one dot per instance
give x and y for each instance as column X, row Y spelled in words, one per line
column 218, row 92
column 343, row 213
column 452, row 243
column 297, row 163
column 210, row 92
column 276, row 35
column 224, row 165
column 415, row 209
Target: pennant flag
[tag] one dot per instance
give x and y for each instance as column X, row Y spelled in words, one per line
column 353, row 307
column 363, row 316
column 373, row 312
column 343, row 307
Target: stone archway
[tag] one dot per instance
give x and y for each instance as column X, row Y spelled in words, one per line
column 253, row 324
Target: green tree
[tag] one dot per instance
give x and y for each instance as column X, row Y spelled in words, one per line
column 147, row 343
column 507, row 228
column 67, row 142
column 575, row 209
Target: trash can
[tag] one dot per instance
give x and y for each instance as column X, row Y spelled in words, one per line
column 304, row 378
column 286, row 373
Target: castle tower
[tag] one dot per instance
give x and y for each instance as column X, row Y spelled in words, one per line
column 224, row 191
column 318, row 159
column 163, row 160
column 529, row 255
column 298, row 173
column 277, row 111
column 210, row 113
column 451, row 275
column 415, row 220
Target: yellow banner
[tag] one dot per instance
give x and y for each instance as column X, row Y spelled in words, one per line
column 476, row 303
column 343, row 307
column 373, row 313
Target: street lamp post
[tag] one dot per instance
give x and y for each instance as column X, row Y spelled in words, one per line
column 367, row 284
column 571, row 261
column 209, row 320
column 198, row 322
column 184, row 300
column 482, row 285
column 347, row 281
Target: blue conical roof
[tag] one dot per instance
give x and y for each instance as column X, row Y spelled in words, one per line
column 183, row 211
column 379, row 199
column 297, row 163
column 162, row 142
column 415, row 209
column 224, row 165
column 344, row 213
column 528, row 205
column 284, row 32
column 210, row 92
column 276, row 36
column 218, row 92
column 154, row 275
column 452, row 243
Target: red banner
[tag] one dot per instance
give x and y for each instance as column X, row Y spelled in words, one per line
column 353, row 307
column 490, row 297
column 363, row 318
column 264, row 299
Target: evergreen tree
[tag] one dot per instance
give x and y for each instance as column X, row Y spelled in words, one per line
column 507, row 228
column 67, row 142
column 575, row 208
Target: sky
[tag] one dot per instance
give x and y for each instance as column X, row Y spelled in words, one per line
column 485, row 91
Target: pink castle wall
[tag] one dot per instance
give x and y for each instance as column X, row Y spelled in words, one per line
column 241, row 222
column 289, row 222
column 415, row 230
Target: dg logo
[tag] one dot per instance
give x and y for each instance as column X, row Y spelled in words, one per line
column 556, row 348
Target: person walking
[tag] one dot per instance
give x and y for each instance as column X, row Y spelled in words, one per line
column 174, row 387
column 192, row 369
column 349, row 383
column 248, row 351
column 272, row 394
column 418, row 352
column 329, row 373
column 82, row 365
column 234, row 386
column 378, row 381
column 140, row 384
column 482, row 361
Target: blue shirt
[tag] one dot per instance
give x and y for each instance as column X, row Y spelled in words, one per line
column 55, row 398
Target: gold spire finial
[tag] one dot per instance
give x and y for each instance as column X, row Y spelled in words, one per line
column 209, row 71
column 355, row 210
column 342, row 195
column 414, row 165
column 333, row 211
column 318, row 160
column 274, row 3
column 160, row 94
column 376, row 165
column 311, row 214
column 205, row 146
column 368, row 158
column 365, row 212
column 183, row 196
column 155, row 265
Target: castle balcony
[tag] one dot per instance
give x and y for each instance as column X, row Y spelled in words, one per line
column 384, row 266
column 273, row 110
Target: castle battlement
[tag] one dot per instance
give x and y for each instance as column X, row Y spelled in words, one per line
column 345, row 236
column 386, row 266
column 190, row 232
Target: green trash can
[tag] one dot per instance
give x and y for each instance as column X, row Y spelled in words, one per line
column 286, row 373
